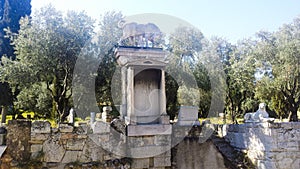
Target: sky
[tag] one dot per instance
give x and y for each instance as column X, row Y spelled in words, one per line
column 230, row 19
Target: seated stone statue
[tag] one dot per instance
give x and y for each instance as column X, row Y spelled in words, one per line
column 260, row 115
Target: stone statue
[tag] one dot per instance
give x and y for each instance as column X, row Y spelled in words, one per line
column 71, row 117
column 140, row 35
column 260, row 115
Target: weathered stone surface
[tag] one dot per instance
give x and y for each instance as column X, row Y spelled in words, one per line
column 153, row 129
column 70, row 156
column 188, row 113
column 39, row 136
column 140, row 163
column 75, row 144
column 285, row 163
column 188, row 123
column 66, row 136
column 18, row 137
column 162, row 140
column 119, row 125
column 164, row 119
column 36, row 148
column 148, row 151
column 54, row 151
column 162, row 161
column 85, row 155
column 65, row 128
column 41, row 127
column 100, row 127
column 296, row 163
column 269, row 145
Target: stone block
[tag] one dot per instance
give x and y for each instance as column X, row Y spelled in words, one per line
column 165, row 154
column 140, row 141
column 285, row 163
column 296, row 125
column 54, row 152
column 165, row 119
column 66, row 128
column 180, row 131
column 287, row 125
column 41, row 127
column 188, row 113
column 151, row 129
column 237, row 140
column 148, row 151
column 39, row 136
column 70, row 156
column 162, row 140
column 100, row 127
column 289, row 145
column 266, row 164
column 75, row 144
column 36, row 151
column 188, row 123
column 280, row 155
column 162, row 161
column 36, row 148
column 54, row 130
column 296, row 163
column 103, row 138
column 138, row 163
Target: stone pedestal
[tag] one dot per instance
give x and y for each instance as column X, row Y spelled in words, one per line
column 188, row 116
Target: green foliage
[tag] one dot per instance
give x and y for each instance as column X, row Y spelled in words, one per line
column 278, row 53
column 35, row 98
column 49, row 43
column 240, row 80
column 201, row 75
column 11, row 12
column 185, row 43
column 108, row 37
column 47, row 47
column 188, row 96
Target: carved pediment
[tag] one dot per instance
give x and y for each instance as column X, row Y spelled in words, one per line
column 146, row 62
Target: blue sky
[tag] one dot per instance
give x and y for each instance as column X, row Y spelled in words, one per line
column 230, row 19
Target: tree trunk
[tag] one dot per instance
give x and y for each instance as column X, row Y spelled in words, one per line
column 3, row 114
column 294, row 116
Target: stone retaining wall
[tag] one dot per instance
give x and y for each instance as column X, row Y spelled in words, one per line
column 84, row 145
column 268, row 145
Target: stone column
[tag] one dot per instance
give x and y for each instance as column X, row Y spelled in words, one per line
column 130, row 96
column 123, row 108
column 163, row 94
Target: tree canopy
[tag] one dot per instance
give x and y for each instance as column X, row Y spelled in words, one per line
column 230, row 78
column 47, row 46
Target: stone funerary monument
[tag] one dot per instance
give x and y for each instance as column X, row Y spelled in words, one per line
column 144, row 98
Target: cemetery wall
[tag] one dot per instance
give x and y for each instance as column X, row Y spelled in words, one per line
column 66, row 146
column 268, row 145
